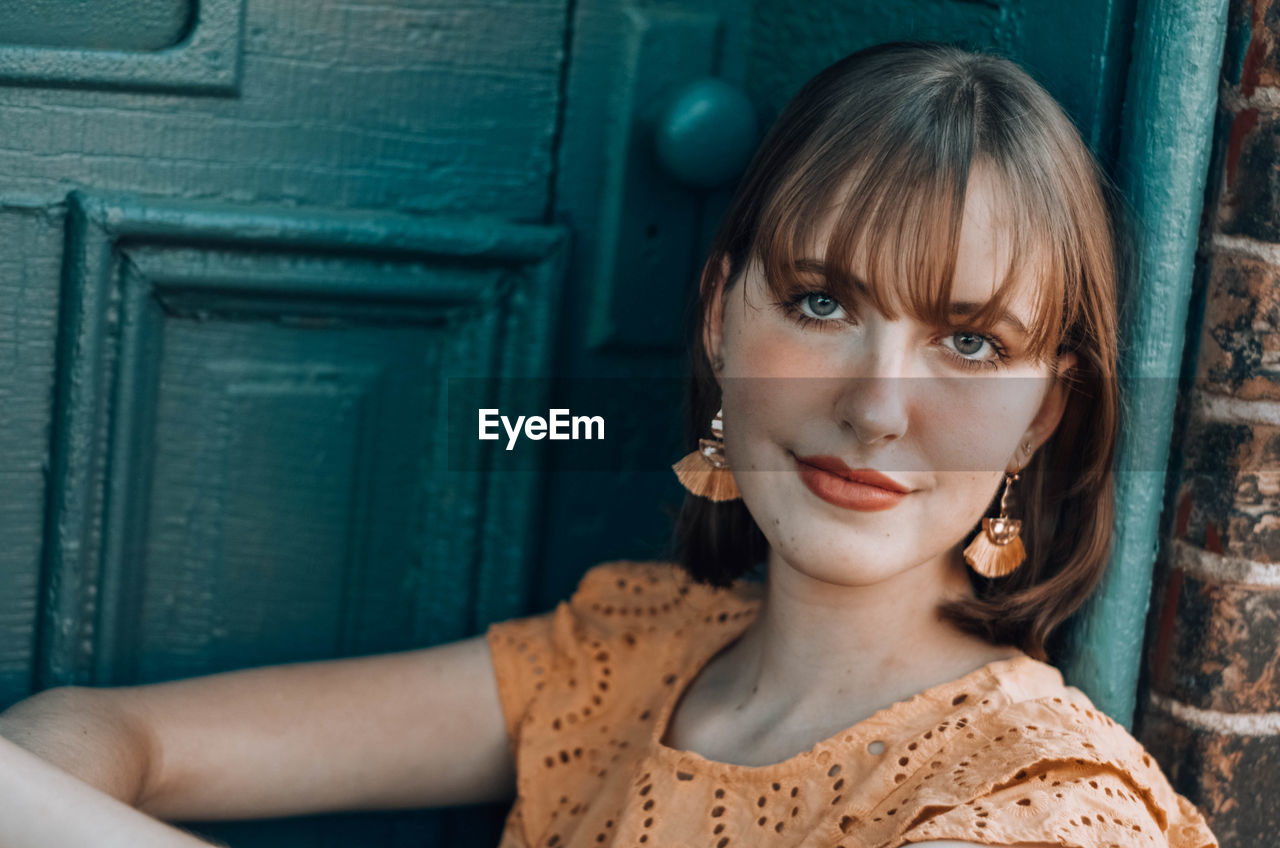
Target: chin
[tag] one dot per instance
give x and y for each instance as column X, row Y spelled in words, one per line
column 858, row 564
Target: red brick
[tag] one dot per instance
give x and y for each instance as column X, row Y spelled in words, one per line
column 1229, row 500
column 1220, row 650
column 1250, row 203
column 1252, row 61
column 1239, row 348
column 1231, row 779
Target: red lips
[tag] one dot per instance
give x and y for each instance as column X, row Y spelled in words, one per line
column 864, row 490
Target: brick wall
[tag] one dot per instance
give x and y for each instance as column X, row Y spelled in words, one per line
column 1213, row 714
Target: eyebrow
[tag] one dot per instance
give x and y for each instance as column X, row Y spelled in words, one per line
column 961, row 307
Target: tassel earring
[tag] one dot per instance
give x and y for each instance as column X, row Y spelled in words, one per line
column 997, row 550
column 705, row 471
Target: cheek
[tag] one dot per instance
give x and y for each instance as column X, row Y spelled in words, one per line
column 763, row 348
column 963, row 498
column 769, row 370
column 770, row 377
column 974, row 423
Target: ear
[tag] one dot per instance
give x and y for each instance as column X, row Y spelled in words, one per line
column 1047, row 417
column 715, row 279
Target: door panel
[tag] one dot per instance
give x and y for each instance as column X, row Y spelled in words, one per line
column 405, row 108
column 639, row 234
column 242, row 244
column 246, row 469
column 1078, row 51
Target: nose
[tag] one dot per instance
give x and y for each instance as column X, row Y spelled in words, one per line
column 872, row 402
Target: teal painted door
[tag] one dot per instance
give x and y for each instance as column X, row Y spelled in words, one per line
column 246, row 243
column 244, row 246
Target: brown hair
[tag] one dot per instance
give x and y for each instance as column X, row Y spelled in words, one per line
column 890, row 135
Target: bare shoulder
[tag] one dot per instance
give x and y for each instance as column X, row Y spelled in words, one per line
column 411, row 729
column 952, row 843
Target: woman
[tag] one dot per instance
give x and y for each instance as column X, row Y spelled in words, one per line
column 910, row 306
column 909, row 311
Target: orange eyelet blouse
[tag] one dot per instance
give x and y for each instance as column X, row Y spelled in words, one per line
column 1004, row 755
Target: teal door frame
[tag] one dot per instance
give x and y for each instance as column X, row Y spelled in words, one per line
column 1166, row 138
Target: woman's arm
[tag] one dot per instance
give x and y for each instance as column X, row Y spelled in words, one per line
column 42, row 806
column 83, row 732
column 405, row 730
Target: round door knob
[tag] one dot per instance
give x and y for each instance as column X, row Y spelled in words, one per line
column 706, row 133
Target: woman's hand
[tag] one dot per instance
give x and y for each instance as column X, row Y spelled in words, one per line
column 44, row 807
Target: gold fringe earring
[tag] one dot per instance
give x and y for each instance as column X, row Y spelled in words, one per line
column 997, row 550
column 705, row 471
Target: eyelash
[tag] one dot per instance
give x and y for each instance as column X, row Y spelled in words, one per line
column 792, row 308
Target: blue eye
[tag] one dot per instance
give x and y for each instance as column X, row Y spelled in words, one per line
column 975, row 350
column 819, row 304
column 968, row 343
column 815, row 310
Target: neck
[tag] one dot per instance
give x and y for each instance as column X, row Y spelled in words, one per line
column 819, row 652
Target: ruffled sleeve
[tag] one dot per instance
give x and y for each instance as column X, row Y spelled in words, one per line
column 555, row 659
column 1053, row 771
column 522, row 652
column 577, row 686
column 1066, row 805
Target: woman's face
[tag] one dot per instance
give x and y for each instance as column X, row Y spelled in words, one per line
column 942, row 412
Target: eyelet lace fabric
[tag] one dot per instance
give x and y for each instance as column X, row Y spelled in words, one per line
column 1007, row 754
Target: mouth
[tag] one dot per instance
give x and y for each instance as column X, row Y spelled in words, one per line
column 863, row 489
